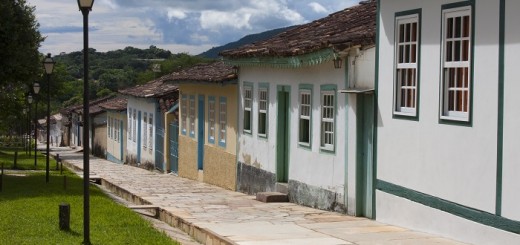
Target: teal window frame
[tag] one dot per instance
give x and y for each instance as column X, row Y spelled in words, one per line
column 401, row 65
column 222, row 118
column 305, row 89
column 212, row 115
column 248, row 110
column 328, row 90
column 263, row 87
column 150, row 132
column 457, row 118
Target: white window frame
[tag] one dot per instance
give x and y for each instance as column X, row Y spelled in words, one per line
column 211, row 119
column 145, row 130
column 134, row 128
column 406, row 92
column 184, row 114
column 150, row 132
column 222, row 121
column 463, row 113
column 263, row 108
column 305, row 113
column 328, row 117
column 248, row 108
column 191, row 115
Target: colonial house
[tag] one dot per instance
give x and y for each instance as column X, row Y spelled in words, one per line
column 447, row 120
column 296, row 130
column 146, row 107
column 116, row 124
column 208, row 123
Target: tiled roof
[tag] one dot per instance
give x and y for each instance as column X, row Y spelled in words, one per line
column 93, row 106
column 117, row 104
column 154, row 89
column 352, row 26
column 212, row 72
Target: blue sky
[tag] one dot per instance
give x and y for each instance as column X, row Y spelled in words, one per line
column 191, row 26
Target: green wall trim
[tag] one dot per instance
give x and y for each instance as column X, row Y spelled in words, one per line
column 415, row 117
column 453, row 208
column 448, row 121
column 500, row 128
column 297, row 61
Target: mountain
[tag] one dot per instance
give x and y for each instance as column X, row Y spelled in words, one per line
column 213, row 52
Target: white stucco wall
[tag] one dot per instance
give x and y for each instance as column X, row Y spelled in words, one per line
column 452, row 162
column 142, row 106
column 511, row 168
column 425, row 155
column 310, row 166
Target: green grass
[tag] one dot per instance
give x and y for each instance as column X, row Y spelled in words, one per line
column 24, row 161
column 29, row 213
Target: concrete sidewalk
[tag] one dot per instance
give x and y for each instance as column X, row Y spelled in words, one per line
column 213, row 215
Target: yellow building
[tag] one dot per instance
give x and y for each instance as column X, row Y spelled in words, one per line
column 208, row 124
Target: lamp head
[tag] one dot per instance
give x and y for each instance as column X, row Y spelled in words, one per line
column 36, row 88
column 48, row 64
column 85, row 4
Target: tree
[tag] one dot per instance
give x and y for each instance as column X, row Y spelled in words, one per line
column 19, row 42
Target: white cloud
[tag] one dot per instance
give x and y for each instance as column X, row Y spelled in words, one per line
column 318, row 8
column 217, row 19
column 176, row 13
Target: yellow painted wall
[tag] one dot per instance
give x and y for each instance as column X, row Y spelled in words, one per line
column 219, row 162
column 188, row 158
column 113, row 147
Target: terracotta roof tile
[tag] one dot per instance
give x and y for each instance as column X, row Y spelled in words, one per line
column 154, row 89
column 352, row 26
column 118, row 104
column 212, row 72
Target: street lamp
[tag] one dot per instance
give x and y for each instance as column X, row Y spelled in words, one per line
column 36, row 88
column 29, row 101
column 48, row 64
column 23, row 130
column 85, row 6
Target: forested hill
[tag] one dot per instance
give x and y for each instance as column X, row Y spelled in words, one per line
column 213, row 52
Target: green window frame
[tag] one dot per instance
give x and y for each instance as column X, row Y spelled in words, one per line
column 328, row 99
column 305, row 115
column 191, row 115
column 248, row 89
column 184, row 113
column 263, row 110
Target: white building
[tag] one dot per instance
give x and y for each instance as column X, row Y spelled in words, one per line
column 447, row 127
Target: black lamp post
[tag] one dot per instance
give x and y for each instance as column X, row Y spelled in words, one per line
column 85, row 6
column 24, row 136
column 36, row 88
column 48, row 64
column 29, row 101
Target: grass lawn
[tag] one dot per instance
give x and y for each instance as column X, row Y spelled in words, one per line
column 24, row 161
column 29, row 212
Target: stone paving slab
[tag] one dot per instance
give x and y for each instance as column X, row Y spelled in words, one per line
column 213, row 215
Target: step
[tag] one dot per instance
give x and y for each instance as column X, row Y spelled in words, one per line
column 272, row 197
column 282, row 187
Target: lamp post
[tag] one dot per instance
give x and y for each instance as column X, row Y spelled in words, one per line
column 23, row 131
column 85, row 6
column 29, row 101
column 36, row 88
column 48, row 64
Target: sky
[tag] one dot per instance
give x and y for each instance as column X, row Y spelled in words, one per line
column 189, row 26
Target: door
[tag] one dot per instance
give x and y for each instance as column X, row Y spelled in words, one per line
column 282, row 140
column 200, row 133
column 174, row 146
column 159, row 141
column 365, row 163
column 139, row 123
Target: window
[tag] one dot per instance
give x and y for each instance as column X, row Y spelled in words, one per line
column 184, row 113
column 117, row 128
column 145, row 128
column 211, row 119
column 248, row 105
column 222, row 121
column 129, row 130
column 192, row 116
column 263, row 100
column 456, row 49
column 134, row 126
column 150, row 133
column 406, row 55
column 304, row 131
column 109, row 122
column 328, row 112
